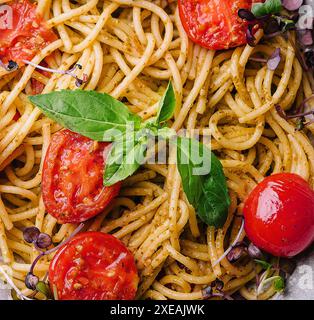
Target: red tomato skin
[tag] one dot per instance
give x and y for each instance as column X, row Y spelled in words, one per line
column 93, row 266
column 72, row 178
column 279, row 215
column 27, row 37
column 214, row 24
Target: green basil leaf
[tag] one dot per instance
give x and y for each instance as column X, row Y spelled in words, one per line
column 268, row 7
column 125, row 157
column 167, row 105
column 166, row 133
column 279, row 284
column 264, row 264
column 95, row 115
column 203, row 181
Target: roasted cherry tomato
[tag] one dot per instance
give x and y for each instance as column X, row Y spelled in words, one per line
column 214, row 24
column 72, row 179
column 279, row 215
column 28, row 35
column 93, row 266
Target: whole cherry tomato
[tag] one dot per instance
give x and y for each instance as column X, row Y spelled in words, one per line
column 279, row 215
column 93, row 266
column 72, row 178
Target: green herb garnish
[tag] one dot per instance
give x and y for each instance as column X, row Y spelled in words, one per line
column 95, row 115
column 268, row 7
column 264, row 264
column 103, row 118
column 206, row 191
column 279, row 284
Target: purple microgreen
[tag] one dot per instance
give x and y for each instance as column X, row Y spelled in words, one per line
column 79, row 82
column 264, row 264
column 271, row 27
column 11, row 66
column 218, row 284
column 250, row 38
column 246, row 14
column 292, row 116
column 262, row 281
column 278, row 283
column 31, row 281
column 254, row 252
column 299, row 54
column 274, row 60
column 43, row 288
column 236, row 240
column 258, row 59
column 287, row 24
column 305, row 37
column 43, row 241
column 74, row 233
column 222, row 295
column 207, row 292
column 292, row 5
column 273, row 35
column 70, row 72
column 300, row 124
column 236, row 252
column 309, row 57
column 31, row 234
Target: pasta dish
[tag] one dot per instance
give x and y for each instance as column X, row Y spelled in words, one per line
column 221, row 90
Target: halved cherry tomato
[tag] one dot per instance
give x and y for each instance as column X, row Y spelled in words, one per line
column 279, row 215
column 72, row 181
column 214, row 24
column 93, row 266
column 28, row 35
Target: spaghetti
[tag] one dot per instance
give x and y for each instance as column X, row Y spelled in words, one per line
column 130, row 50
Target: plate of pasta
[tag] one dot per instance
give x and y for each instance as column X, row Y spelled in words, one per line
column 157, row 150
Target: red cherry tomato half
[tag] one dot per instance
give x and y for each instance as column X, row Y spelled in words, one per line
column 279, row 215
column 72, row 181
column 27, row 35
column 214, row 24
column 93, row 266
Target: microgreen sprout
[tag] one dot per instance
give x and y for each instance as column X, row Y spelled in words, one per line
column 41, row 242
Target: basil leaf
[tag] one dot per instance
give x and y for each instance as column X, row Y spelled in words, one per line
column 125, row 157
column 203, row 181
column 95, row 115
column 268, row 7
column 166, row 133
column 167, row 105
